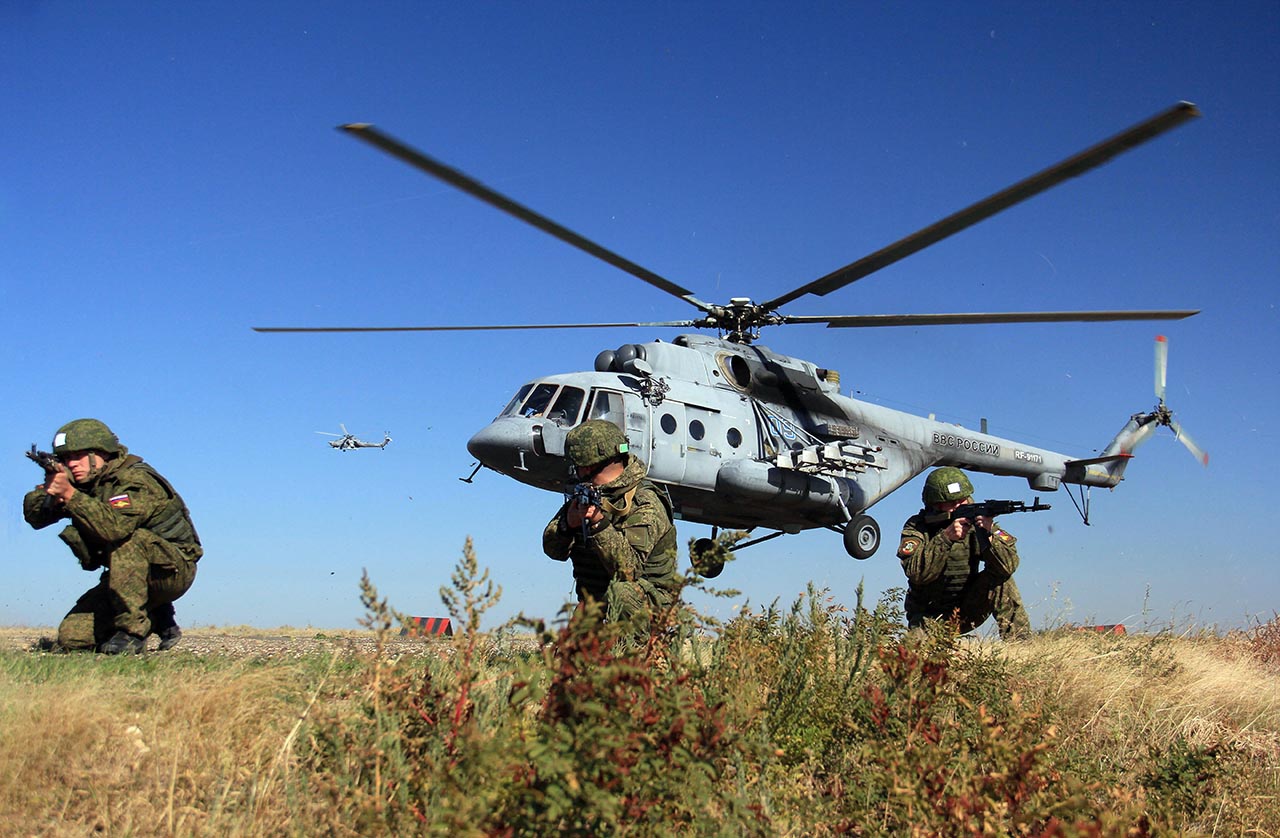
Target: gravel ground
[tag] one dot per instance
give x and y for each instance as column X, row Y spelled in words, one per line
column 250, row 643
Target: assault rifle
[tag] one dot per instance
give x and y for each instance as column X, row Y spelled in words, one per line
column 583, row 495
column 49, row 463
column 990, row 509
column 44, row 459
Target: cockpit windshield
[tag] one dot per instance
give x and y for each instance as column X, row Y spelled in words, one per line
column 562, row 405
column 513, row 406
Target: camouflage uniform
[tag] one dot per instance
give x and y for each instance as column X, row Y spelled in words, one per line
column 961, row 579
column 127, row 519
column 628, row 560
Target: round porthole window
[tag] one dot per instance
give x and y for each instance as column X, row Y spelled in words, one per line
column 668, row 423
column 734, row 437
column 696, row 430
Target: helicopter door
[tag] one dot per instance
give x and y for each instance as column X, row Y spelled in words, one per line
column 669, row 442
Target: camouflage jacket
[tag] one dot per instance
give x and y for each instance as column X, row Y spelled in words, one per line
column 938, row 570
column 125, row 496
column 636, row 543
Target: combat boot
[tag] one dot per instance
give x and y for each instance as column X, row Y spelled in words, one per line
column 169, row 637
column 122, row 642
column 164, row 626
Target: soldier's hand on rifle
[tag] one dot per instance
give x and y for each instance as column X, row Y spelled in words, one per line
column 985, row 523
column 958, row 529
column 57, row 484
column 575, row 515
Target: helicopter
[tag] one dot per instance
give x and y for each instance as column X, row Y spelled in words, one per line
column 745, row 438
column 348, row 442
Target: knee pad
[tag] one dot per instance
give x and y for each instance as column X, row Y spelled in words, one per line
column 76, row 632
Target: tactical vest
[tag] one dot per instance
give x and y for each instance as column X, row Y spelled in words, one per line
column 947, row 591
column 660, row 567
column 171, row 521
column 955, row 576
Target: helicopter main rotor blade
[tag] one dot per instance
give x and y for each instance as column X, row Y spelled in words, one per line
column 677, row 324
column 871, row 320
column 476, row 189
column 952, row 224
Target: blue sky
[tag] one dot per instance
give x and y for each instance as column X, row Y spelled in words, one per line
column 172, row 177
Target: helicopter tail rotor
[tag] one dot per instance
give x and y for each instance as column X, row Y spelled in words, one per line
column 1162, row 415
column 1162, row 365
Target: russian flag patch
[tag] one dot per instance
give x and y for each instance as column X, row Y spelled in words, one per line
column 119, row 502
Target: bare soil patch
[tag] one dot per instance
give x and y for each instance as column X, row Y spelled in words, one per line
column 242, row 641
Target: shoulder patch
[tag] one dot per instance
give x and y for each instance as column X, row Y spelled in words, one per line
column 120, row 502
column 908, row 547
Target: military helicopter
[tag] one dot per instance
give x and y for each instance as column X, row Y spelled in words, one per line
column 743, row 437
column 348, row 442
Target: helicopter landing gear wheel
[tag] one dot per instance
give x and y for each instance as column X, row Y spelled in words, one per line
column 702, row 555
column 861, row 537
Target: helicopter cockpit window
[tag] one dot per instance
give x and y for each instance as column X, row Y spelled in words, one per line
column 512, row 408
column 567, row 406
column 538, row 402
column 607, row 405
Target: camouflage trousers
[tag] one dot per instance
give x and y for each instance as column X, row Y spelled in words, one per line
column 636, row 604
column 982, row 598
column 145, row 574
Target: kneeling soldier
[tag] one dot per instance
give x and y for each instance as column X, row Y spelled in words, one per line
column 127, row 519
column 961, row 569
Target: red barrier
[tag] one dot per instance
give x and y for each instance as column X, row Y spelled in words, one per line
column 428, row 627
column 1117, row 628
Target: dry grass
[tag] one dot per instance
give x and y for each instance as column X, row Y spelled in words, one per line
column 211, row 739
column 1156, row 689
column 133, row 747
column 1192, row 718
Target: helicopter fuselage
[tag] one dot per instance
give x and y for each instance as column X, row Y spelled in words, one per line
column 743, row 437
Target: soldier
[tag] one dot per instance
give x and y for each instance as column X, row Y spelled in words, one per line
column 959, row 569
column 127, row 519
column 623, row 548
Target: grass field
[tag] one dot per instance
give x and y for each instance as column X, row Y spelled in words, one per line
column 800, row 721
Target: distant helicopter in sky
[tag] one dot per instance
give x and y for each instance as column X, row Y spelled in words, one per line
column 347, row 441
column 743, row 437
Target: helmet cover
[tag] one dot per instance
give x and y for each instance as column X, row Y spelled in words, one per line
column 594, row 442
column 946, row 484
column 85, row 435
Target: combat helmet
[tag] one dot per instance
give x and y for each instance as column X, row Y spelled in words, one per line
column 85, row 435
column 594, row 442
column 946, row 484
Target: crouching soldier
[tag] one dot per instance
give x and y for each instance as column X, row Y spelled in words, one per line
column 126, row 519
